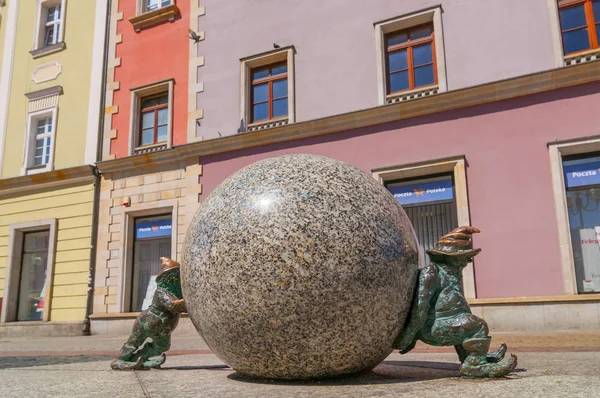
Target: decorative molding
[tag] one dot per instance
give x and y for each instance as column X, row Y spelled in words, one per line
column 411, row 95
column 268, row 124
column 443, row 102
column 149, row 149
column 568, row 298
column 195, row 86
column 43, row 103
column 146, row 19
column 54, row 48
column 47, row 180
column 579, row 58
column 47, row 92
column 111, row 84
column 46, row 72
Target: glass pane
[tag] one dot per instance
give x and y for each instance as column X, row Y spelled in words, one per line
column 280, row 107
column 260, row 73
column 39, row 151
column 152, row 5
column 33, row 276
column 397, row 60
column 148, row 136
column 397, row 38
column 162, row 100
column 424, row 31
column 422, row 55
column 163, row 116
column 260, row 93
column 279, row 69
column 165, row 3
column 596, row 6
column 162, row 134
column 49, row 38
column 572, row 17
column 399, row 81
column 598, row 32
column 260, row 111
column 52, row 14
column 147, row 120
column 39, row 161
column 424, row 75
column 147, row 103
column 576, row 40
column 280, row 88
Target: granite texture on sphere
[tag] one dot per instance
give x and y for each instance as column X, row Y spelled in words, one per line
column 299, row 267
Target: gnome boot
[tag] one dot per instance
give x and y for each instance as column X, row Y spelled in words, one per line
column 476, row 365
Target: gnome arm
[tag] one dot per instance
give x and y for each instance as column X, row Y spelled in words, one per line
column 428, row 285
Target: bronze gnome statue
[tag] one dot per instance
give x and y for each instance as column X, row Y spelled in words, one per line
column 441, row 316
column 156, row 323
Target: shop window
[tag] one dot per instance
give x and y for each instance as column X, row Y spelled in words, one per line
column 32, row 283
column 582, row 182
column 580, row 25
column 152, row 240
column 430, row 205
column 410, row 59
column 268, row 90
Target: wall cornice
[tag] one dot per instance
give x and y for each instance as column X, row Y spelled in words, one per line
column 451, row 100
column 27, row 183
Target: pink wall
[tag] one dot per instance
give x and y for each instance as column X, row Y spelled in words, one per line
column 509, row 180
column 336, row 70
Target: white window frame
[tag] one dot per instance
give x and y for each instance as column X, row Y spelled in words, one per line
column 256, row 61
column 13, row 269
column 41, row 24
column 137, row 96
column 142, row 7
column 431, row 15
column 30, row 141
column 455, row 165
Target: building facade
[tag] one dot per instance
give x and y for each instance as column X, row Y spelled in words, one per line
column 470, row 112
column 50, row 85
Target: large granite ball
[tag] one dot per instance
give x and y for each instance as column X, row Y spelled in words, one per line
column 299, row 267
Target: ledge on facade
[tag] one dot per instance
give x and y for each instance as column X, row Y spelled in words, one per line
column 268, row 124
column 450, row 100
column 574, row 298
column 54, row 48
column 411, row 94
column 47, row 92
column 581, row 57
column 31, row 182
column 167, row 13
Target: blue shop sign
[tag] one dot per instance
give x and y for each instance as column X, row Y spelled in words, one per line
column 423, row 192
column 152, row 229
column 582, row 172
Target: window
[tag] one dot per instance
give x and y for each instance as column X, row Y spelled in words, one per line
column 43, row 139
column 155, row 120
column 269, row 92
column 49, row 30
column 410, row 56
column 34, row 264
column 52, row 30
column 580, row 25
column 151, row 117
column 267, row 83
column 151, row 5
column 430, row 205
column 39, row 156
column 152, row 240
column 410, row 59
column 582, row 183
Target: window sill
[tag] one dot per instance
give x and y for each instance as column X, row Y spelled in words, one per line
column 411, row 94
column 37, row 170
column 267, row 124
column 146, row 19
column 150, row 148
column 582, row 56
column 54, row 48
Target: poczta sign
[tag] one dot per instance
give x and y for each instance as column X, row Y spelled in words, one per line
column 152, row 229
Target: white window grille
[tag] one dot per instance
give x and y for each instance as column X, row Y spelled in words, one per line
column 53, row 20
column 43, row 142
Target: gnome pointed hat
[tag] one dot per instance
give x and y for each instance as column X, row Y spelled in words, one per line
column 167, row 264
column 456, row 243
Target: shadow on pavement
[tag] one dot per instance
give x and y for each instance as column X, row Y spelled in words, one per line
column 387, row 372
column 191, row 367
column 27, row 362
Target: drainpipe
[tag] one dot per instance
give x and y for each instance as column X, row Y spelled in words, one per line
column 97, row 182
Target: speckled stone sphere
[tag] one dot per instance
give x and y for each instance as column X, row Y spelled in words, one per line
column 299, row 267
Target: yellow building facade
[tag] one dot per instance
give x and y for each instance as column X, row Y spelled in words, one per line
column 52, row 58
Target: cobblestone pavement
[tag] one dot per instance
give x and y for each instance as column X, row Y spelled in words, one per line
column 550, row 365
